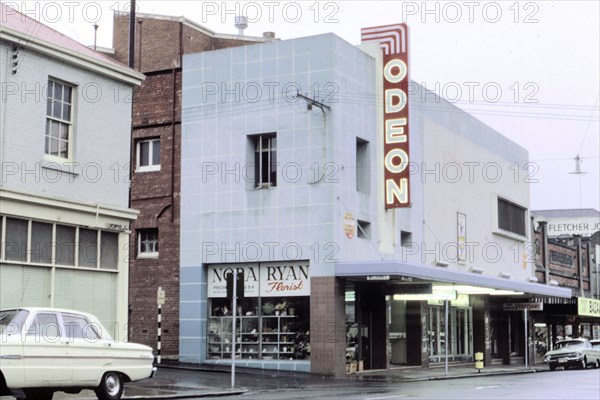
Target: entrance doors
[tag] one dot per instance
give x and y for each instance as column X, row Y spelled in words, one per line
column 460, row 333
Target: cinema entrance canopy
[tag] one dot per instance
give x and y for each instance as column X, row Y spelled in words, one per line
column 399, row 271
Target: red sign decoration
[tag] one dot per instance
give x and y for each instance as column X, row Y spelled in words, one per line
column 393, row 40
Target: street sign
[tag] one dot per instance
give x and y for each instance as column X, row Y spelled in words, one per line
column 160, row 296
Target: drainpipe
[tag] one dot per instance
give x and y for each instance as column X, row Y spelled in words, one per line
column 545, row 252
column 131, row 33
column 579, row 263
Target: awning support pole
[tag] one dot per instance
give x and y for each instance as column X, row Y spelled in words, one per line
column 526, row 339
column 446, row 335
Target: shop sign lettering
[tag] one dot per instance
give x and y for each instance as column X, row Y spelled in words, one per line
column 284, row 280
column 267, row 280
column 523, row 306
column 217, row 279
column 588, row 307
column 393, row 40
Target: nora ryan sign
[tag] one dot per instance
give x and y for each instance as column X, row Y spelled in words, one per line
column 265, row 280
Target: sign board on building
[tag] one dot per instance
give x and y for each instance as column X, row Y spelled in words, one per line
column 572, row 226
column 523, row 306
column 588, row 307
column 265, row 280
column 393, row 40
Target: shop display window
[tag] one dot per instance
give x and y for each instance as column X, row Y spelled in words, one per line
column 266, row 328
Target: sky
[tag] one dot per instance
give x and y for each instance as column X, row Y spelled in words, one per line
column 528, row 69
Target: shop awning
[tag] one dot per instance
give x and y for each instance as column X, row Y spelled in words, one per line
column 397, row 269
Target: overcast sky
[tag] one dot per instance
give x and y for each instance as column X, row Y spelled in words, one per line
column 529, row 69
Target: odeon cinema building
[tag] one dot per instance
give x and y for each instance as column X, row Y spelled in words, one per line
column 375, row 223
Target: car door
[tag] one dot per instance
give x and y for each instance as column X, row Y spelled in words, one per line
column 45, row 351
column 87, row 349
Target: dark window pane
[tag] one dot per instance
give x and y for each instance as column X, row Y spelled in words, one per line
column 41, row 242
column 109, row 250
column 16, row 239
column 65, row 245
column 144, row 154
column 88, row 248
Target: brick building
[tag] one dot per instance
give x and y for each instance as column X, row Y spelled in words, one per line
column 160, row 44
column 570, row 262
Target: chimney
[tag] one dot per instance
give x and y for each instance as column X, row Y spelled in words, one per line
column 269, row 35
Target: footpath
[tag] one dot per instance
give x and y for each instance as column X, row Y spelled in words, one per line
column 157, row 388
column 172, row 379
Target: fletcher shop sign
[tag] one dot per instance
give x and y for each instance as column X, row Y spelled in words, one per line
column 265, row 280
column 393, row 40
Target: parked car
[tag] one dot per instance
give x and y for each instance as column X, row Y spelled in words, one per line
column 573, row 353
column 44, row 350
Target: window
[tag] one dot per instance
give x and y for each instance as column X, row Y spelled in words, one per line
column 364, row 229
column 109, row 251
column 362, row 166
column 511, row 217
column 148, row 155
column 59, row 125
column 45, row 325
column 46, row 243
column 148, row 243
column 265, row 161
column 15, row 247
column 79, row 328
column 41, row 242
column 65, row 245
column 88, row 248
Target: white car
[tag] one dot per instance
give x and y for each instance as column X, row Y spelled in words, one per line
column 43, row 350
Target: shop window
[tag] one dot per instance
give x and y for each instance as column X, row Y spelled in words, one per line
column 265, row 161
column 148, row 243
column 268, row 328
column 148, row 155
column 511, row 217
column 362, row 166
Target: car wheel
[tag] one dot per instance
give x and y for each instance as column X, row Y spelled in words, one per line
column 597, row 363
column 111, row 387
column 552, row 367
column 583, row 364
column 38, row 394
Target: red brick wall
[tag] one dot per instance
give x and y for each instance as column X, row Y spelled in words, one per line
column 156, row 194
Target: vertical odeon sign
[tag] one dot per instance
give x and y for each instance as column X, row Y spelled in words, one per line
column 393, row 40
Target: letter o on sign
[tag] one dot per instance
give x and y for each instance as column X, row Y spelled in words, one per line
column 389, row 67
column 389, row 161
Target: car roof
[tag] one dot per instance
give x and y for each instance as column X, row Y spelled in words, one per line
column 51, row 309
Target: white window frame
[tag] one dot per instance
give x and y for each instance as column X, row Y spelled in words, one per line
column 146, row 254
column 150, row 167
column 50, row 118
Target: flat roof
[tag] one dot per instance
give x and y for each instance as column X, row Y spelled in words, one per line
column 439, row 274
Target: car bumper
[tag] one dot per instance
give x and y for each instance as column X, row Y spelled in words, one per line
column 565, row 361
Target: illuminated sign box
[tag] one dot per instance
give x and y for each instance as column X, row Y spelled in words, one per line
column 588, row 307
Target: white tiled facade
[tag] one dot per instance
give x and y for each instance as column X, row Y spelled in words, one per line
column 231, row 94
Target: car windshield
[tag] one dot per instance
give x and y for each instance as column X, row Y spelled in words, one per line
column 569, row 343
column 11, row 321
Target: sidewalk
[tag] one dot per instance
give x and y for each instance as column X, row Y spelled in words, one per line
column 215, row 378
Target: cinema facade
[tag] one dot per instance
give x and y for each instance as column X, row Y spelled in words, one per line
column 375, row 224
